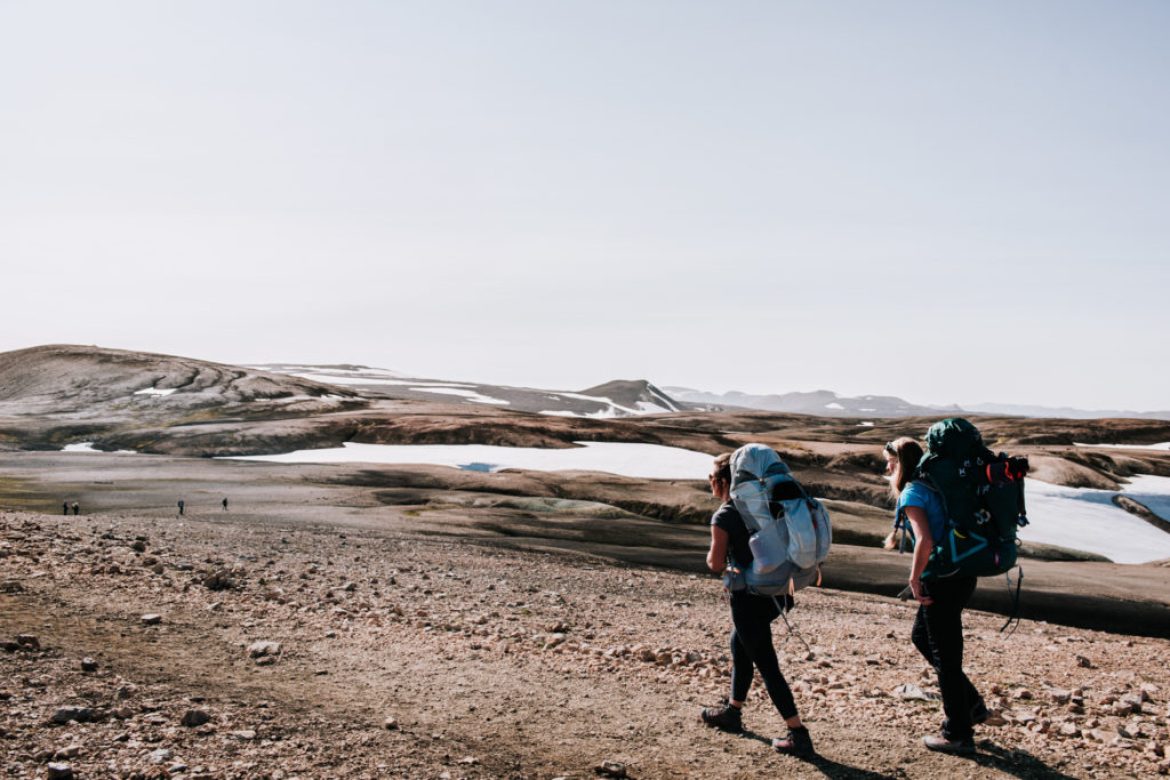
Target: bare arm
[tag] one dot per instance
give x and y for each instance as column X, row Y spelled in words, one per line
column 923, row 544
column 717, row 555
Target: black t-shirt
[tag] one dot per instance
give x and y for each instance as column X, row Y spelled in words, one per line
column 728, row 518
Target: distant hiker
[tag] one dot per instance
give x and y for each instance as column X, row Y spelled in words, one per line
column 225, row 503
column 65, row 507
column 751, row 617
column 76, row 508
column 938, row 626
column 181, row 506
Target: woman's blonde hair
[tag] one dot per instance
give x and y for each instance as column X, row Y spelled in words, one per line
column 908, row 452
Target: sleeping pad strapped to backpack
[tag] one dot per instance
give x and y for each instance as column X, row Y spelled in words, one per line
column 790, row 531
column 983, row 495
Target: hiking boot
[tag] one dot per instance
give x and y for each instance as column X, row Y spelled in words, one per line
column 941, row 744
column 979, row 713
column 797, row 743
column 725, row 718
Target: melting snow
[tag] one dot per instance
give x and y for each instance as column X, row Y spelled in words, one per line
column 1151, row 491
column 470, row 395
column 1084, row 519
column 1163, row 446
column 87, row 446
column 331, row 379
column 649, row 461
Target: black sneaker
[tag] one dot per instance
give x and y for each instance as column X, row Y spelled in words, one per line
column 725, row 718
column 941, row 744
column 797, row 743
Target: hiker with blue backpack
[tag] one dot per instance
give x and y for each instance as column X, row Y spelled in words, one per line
column 767, row 540
column 960, row 504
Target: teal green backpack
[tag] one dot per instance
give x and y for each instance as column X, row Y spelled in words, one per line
column 983, row 495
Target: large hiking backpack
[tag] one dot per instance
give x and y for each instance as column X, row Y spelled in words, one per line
column 790, row 530
column 983, row 495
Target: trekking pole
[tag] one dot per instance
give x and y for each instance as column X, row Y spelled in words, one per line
column 791, row 631
column 1014, row 616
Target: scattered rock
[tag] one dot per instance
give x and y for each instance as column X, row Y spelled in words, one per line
column 995, row 718
column 160, row 755
column 220, row 579
column 28, row 641
column 244, row 734
column 1084, row 663
column 194, row 718
column 262, row 648
column 88, row 664
column 151, row 619
column 66, row 714
column 910, row 692
column 59, row 771
column 611, row 769
column 390, row 724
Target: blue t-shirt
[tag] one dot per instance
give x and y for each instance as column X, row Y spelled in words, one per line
column 918, row 494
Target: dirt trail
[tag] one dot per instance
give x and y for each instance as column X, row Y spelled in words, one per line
column 495, row 663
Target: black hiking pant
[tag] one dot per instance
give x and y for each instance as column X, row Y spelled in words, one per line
column 751, row 646
column 938, row 635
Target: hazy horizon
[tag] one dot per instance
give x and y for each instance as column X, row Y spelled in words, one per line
column 943, row 202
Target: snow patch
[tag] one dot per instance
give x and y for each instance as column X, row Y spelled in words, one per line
column 1152, row 492
column 155, row 391
column 865, row 424
column 834, row 405
column 331, row 379
column 87, row 446
column 1086, row 519
column 1163, row 446
column 648, row 461
column 470, row 395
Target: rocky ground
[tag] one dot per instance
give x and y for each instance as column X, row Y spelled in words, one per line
column 287, row 644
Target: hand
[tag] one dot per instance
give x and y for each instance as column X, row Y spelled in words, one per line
column 919, row 595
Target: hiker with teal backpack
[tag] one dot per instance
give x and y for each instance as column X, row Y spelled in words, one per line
column 767, row 540
column 960, row 504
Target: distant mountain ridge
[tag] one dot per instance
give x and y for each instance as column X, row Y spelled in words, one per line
column 1067, row 412
column 822, row 403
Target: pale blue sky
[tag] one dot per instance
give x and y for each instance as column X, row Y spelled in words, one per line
column 951, row 202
